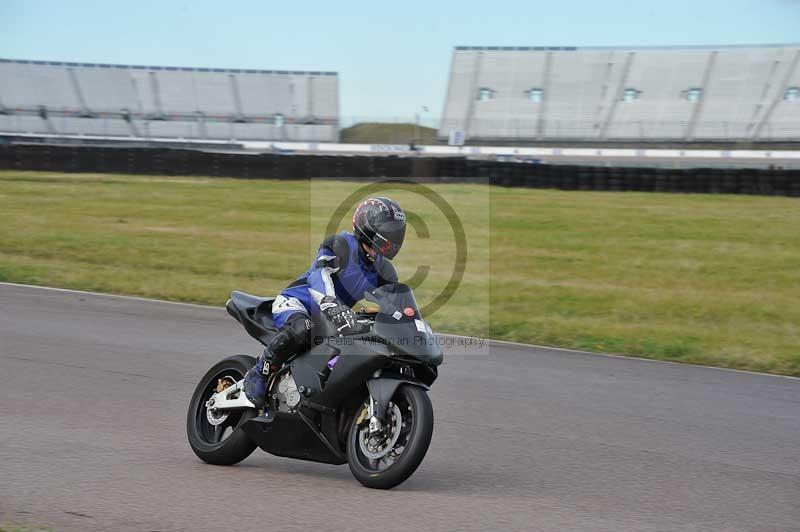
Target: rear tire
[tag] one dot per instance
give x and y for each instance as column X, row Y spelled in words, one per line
column 233, row 444
column 411, row 399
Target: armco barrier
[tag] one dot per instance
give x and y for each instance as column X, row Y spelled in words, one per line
column 161, row 161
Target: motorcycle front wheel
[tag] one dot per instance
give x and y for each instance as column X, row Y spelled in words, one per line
column 218, row 439
column 387, row 458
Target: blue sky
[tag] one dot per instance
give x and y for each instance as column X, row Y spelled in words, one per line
column 392, row 57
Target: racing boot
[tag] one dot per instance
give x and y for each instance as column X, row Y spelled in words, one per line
column 255, row 380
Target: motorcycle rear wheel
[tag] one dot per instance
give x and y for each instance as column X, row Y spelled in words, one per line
column 225, row 443
column 408, row 448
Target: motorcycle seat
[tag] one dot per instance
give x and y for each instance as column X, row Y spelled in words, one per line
column 258, row 309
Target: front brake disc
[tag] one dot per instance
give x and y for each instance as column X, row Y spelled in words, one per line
column 375, row 450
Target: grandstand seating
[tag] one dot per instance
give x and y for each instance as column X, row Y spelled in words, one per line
column 170, row 102
column 650, row 93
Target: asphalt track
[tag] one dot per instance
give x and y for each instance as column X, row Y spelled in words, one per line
column 93, row 392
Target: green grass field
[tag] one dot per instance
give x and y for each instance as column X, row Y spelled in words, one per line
column 17, row 528
column 707, row 279
column 385, row 133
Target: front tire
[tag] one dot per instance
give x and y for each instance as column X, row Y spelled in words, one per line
column 224, row 443
column 408, row 447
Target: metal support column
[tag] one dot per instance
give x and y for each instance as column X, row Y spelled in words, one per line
column 73, row 78
column 541, row 120
column 763, row 104
column 156, row 94
column 48, row 123
column 778, row 96
column 473, row 95
column 201, row 125
column 310, row 97
column 128, row 117
column 237, row 99
column 698, row 106
column 623, row 81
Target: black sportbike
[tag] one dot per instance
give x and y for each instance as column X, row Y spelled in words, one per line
column 360, row 398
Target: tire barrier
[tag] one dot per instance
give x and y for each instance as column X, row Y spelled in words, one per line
column 774, row 182
column 161, row 161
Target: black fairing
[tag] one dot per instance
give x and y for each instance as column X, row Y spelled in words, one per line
column 293, row 436
column 355, row 365
column 398, row 337
column 400, row 324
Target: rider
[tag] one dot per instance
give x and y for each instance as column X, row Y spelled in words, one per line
column 347, row 265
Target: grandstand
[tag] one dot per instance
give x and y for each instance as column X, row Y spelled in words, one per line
column 63, row 98
column 677, row 94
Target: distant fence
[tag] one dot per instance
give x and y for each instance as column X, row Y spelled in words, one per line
column 159, row 161
column 571, row 177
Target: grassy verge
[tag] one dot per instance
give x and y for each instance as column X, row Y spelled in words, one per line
column 17, row 528
column 385, row 133
column 692, row 278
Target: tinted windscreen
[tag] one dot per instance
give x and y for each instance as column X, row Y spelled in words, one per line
column 400, row 324
column 396, row 296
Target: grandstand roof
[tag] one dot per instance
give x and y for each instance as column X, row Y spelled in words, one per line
column 637, row 47
column 170, row 68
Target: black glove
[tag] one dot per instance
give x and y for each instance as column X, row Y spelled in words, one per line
column 338, row 313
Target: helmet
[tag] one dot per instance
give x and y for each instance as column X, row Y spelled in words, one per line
column 380, row 223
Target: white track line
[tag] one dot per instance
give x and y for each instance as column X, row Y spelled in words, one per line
column 118, row 296
column 625, row 357
column 490, row 340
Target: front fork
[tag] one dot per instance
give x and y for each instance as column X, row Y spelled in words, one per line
column 375, row 424
column 381, row 390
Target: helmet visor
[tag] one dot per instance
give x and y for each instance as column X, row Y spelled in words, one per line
column 389, row 241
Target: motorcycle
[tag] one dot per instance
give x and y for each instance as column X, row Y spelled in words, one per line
column 359, row 398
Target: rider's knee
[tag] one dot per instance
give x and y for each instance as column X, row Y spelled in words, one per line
column 294, row 337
